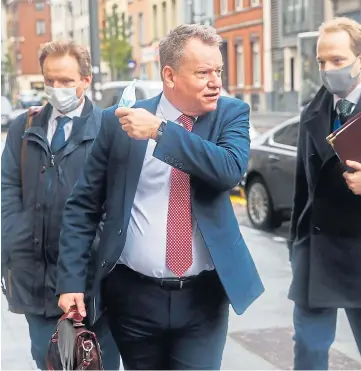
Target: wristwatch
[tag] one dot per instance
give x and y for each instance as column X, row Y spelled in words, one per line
column 160, row 130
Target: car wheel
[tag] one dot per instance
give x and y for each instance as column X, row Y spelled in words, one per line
column 259, row 206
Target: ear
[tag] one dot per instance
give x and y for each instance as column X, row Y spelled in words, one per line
column 169, row 77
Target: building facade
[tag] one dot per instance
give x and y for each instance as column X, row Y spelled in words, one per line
column 70, row 21
column 286, row 21
column 5, row 58
column 197, row 11
column 152, row 20
column 28, row 27
column 349, row 8
column 240, row 23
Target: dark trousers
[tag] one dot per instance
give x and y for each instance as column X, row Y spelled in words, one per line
column 315, row 331
column 167, row 329
column 41, row 329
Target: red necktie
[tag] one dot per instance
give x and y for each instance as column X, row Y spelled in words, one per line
column 179, row 224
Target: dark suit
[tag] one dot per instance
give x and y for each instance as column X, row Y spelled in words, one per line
column 325, row 238
column 111, row 176
column 34, row 189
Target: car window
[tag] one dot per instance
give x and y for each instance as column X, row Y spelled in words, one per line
column 287, row 135
column 110, row 97
column 139, row 93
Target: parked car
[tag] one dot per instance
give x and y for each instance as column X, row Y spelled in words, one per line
column 24, row 101
column 145, row 89
column 6, row 110
column 269, row 182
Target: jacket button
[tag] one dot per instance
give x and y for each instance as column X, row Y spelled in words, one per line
column 38, row 207
column 43, row 168
column 119, row 232
column 37, row 241
column 104, row 263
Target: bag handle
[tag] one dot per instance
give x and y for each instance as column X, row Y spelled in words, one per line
column 72, row 315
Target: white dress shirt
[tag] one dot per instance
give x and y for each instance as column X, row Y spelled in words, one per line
column 145, row 246
column 67, row 127
column 353, row 97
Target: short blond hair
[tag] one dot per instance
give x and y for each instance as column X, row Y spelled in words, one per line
column 348, row 25
column 62, row 48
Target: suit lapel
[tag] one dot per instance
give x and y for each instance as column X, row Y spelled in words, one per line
column 319, row 122
column 137, row 149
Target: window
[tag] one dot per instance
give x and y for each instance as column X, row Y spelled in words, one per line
column 164, row 20
column 110, row 97
column 256, row 63
column 255, row 2
column 240, row 65
column 40, row 27
column 238, row 4
column 143, row 71
column 139, row 93
column 174, row 13
column 295, row 16
column 155, row 22
column 130, row 29
column 292, row 73
column 156, row 72
column 39, row 5
column 224, row 6
column 140, row 28
column 288, row 135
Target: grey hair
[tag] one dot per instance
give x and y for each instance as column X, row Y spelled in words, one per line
column 171, row 47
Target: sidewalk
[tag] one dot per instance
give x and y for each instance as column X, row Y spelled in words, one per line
column 260, row 339
column 16, row 355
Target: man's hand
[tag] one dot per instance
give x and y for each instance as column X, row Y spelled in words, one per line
column 138, row 122
column 66, row 301
column 353, row 180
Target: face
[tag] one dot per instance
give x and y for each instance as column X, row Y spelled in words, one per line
column 194, row 88
column 334, row 52
column 63, row 72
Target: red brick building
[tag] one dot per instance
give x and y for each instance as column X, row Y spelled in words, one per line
column 29, row 28
column 240, row 23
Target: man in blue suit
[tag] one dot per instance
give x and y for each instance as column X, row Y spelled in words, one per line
column 171, row 256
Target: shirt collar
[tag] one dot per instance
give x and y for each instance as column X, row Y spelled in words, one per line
column 353, row 97
column 75, row 113
column 168, row 111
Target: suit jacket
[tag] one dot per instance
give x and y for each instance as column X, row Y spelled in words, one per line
column 34, row 190
column 215, row 154
column 325, row 236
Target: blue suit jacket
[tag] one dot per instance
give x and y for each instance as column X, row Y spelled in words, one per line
column 215, row 154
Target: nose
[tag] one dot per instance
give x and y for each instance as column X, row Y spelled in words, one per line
column 215, row 82
column 57, row 84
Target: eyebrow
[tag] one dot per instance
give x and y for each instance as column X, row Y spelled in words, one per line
column 210, row 68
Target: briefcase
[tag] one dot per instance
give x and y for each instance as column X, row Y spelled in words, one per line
column 73, row 346
column 346, row 141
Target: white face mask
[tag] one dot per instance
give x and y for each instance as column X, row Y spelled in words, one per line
column 63, row 99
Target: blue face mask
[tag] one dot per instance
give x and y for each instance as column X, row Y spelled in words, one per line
column 340, row 82
column 63, row 99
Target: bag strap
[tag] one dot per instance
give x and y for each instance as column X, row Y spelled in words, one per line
column 29, row 122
